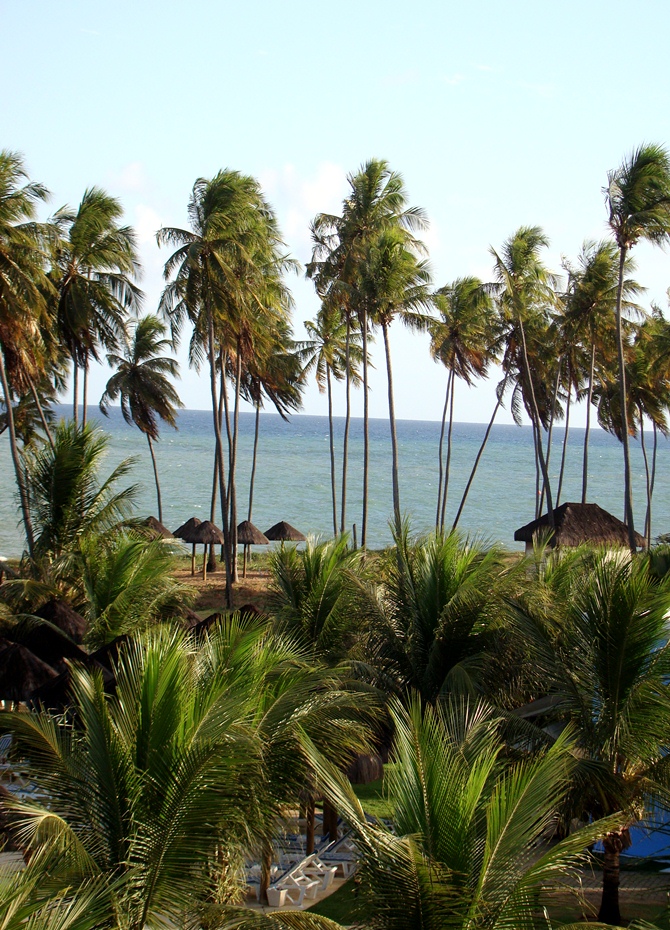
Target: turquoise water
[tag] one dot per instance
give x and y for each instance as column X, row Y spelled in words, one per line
column 293, row 475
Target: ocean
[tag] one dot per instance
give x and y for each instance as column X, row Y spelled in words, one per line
column 293, row 475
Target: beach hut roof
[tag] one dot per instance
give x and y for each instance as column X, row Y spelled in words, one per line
column 186, row 529
column 575, row 524
column 207, row 534
column 60, row 614
column 249, row 535
column 46, row 641
column 157, row 527
column 21, row 672
column 283, row 530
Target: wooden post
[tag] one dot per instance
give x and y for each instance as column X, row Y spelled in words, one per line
column 193, row 559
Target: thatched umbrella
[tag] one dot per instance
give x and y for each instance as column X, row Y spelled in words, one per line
column 60, row 614
column 185, row 532
column 157, row 529
column 209, row 535
column 21, row 672
column 284, row 531
column 248, row 535
column 46, row 641
column 575, row 524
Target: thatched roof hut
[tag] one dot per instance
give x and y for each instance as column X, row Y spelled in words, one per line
column 186, row 529
column 284, row 531
column 185, row 532
column 21, row 672
column 64, row 617
column 157, row 528
column 575, row 524
column 249, row 535
column 46, row 641
column 207, row 534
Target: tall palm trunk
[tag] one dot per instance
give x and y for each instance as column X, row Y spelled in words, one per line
column 332, row 447
column 536, row 441
column 394, row 438
column 550, row 434
column 158, row 487
column 347, row 418
column 536, row 415
column 447, row 467
column 565, row 444
column 440, row 456
column 647, row 524
column 219, row 447
column 40, row 410
column 647, row 476
column 366, row 435
column 75, row 391
column 254, row 459
column 589, row 401
column 233, row 462
column 85, row 392
column 609, row 912
column 479, row 455
column 628, row 490
column 16, row 459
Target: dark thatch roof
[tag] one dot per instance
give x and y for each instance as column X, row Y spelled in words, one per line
column 157, row 528
column 575, row 524
column 207, row 534
column 21, row 672
column 249, row 535
column 283, row 530
column 185, row 530
column 64, row 617
column 46, row 641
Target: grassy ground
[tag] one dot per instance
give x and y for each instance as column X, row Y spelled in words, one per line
column 373, row 800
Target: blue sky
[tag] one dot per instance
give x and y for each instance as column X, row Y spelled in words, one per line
column 497, row 115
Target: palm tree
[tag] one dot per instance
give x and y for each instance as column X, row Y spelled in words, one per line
column 638, row 202
column 316, row 596
column 141, row 381
column 394, row 283
column 588, row 322
column 462, row 339
column 464, row 848
column 436, row 610
column 23, row 287
column 278, row 376
column 525, row 293
column 164, row 788
column 68, row 501
column 612, row 613
column 94, row 265
column 331, row 351
column 377, row 201
column 224, row 268
column 128, row 584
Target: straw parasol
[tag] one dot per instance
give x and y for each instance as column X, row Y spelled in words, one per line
column 248, row 535
column 285, row 532
column 60, row 614
column 185, row 532
column 207, row 534
column 21, row 672
column 157, row 528
column 575, row 524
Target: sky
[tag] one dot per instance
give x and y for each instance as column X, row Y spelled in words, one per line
column 496, row 114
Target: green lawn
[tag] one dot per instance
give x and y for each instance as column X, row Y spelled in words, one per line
column 372, row 798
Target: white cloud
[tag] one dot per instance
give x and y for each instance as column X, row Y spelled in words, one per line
column 132, row 178
column 298, row 199
column 147, row 222
column 454, row 79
